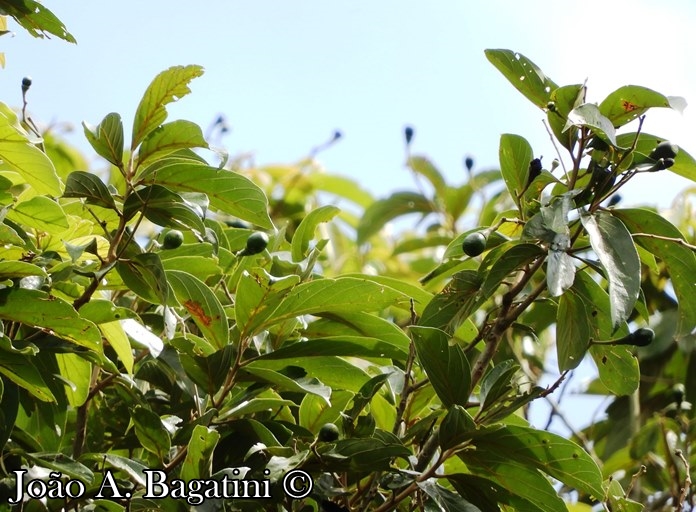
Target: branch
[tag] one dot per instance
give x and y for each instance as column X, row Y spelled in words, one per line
column 679, row 241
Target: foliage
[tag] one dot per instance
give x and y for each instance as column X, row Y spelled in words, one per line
column 289, row 331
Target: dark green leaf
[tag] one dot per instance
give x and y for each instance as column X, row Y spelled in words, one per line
column 455, row 427
column 63, row 464
column 564, row 100
column 515, row 153
column 107, row 138
column 573, row 331
column 446, row 365
column 164, row 208
column 504, row 262
column 524, row 75
column 152, row 434
column 614, row 246
column 496, row 383
column 448, row 309
column 145, row 276
column 168, row 86
column 680, row 260
column 90, row 187
column 447, row 501
column 558, row 457
column 353, row 346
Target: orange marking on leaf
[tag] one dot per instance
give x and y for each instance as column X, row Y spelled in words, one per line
column 197, row 310
column 628, row 106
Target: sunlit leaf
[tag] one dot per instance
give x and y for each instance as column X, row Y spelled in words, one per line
column 523, row 74
column 90, row 187
column 305, row 231
column 171, row 137
column 203, row 306
column 630, row 101
column 515, row 153
column 228, row 191
column 614, row 246
column 384, row 210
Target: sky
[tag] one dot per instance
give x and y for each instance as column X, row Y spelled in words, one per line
column 287, row 74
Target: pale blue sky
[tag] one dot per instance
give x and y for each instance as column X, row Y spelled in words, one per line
column 286, row 74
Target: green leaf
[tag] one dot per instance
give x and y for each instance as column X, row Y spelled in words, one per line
column 589, row 116
column 203, row 306
column 152, row 434
column 145, row 276
column 14, row 269
column 314, row 411
column 40, row 213
column 164, row 208
column 487, row 494
column 560, row 269
column 447, row 501
column 351, row 346
column 614, row 246
column 20, row 369
column 618, row 368
column 285, row 383
column 496, row 383
column 368, row 454
column 77, row 372
column 37, row 308
column 133, row 469
column 423, row 166
column 113, row 333
column 524, row 75
column 168, row 86
column 557, row 457
column 565, row 99
column 451, row 307
column 345, row 294
column 102, row 311
column 572, row 331
column 341, row 186
column 24, row 157
column 515, row 153
column 455, row 427
column 107, row 138
column 504, row 262
column 228, row 191
column 305, row 231
column 171, row 137
column 680, row 260
column 90, row 187
column 199, row 455
column 630, row 101
column 37, row 19
column 63, row 464
column 684, row 163
column 446, row 365
column 384, row 210
column 420, row 296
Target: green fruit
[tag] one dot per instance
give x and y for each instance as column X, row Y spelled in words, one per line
column 256, row 243
column 640, row 338
column 474, row 244
column 664, row 149
column 173, row 239
column 328, row 433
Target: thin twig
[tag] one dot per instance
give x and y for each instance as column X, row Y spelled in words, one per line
column 679, row 241
column 687, row 481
